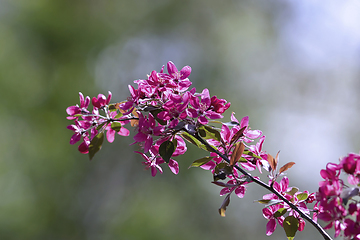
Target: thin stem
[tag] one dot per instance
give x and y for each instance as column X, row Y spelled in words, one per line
column 271, row 189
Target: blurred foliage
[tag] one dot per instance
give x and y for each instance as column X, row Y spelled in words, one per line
column 51, row 50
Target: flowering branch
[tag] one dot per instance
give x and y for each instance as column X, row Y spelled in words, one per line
column 271, row 189
column 165, row 114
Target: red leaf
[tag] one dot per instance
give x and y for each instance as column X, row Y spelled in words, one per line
column 272, row 162
column 236, row 154
column 286, row 167
column 238, row 135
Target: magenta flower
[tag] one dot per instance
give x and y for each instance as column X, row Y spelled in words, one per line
column 239, row 189
column 351, row 165
column 181, row 146
column 212, row 164
column 152, row 163
column 269, row 213
column 84, row 146
column 248, row 133
column 101, row 100
column 179, row 79
column 82, row 109
column 219, row 105
column 352, row 228
column 146, row 130
column 110, row 133
column 80, row 129
column 257, row 150
column 202, row 109
column 174, row 109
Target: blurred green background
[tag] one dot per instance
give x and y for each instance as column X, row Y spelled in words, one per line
column 293, row 67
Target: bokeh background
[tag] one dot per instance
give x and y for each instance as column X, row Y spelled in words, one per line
column 292, row 66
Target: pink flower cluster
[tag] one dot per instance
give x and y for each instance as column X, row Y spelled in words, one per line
column 165, row 113
column 337, row 202
column 277, row 211
column 88, row 124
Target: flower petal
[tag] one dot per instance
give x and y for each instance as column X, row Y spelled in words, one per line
column 270, row 227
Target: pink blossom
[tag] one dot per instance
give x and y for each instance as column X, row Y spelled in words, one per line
column 82, row 109
column 268, row 213
column 101, row 100
column 152, row 163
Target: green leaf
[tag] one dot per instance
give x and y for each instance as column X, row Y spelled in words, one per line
column 119, row 115
column 208, row 132
column 290, row 225
column 263, row 201
column 116, row 126
column 191, row 139
column 196, row 142
column 166, row 150
column 247, row 152
column 201, row 161
column 95, row 144
column 174, row 142
column 242, row 159
column 100, row 126
column 280, row 212
column 112, row 107
column 221, row 171
column 302, row 196
column 293, row 191
column 269, row 202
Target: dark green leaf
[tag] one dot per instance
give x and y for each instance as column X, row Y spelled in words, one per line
column 166, row 150
column 174, row 142
column 191, row 139
column 280, row 212
column 221, row 171
column 95, row 144
column 112, row 107
column 196, row 142
column 290, row 225
column 116, row 126
column 100, row 126
column 202, row 132
column 208, row 132
column 201, row 161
